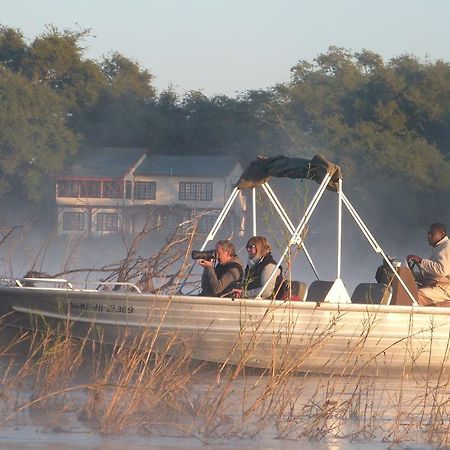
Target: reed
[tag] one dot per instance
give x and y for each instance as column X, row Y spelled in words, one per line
column 135, row 387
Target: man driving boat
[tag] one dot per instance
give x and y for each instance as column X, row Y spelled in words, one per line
column 435, row 290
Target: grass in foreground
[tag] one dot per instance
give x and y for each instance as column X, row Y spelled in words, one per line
column 134, row 387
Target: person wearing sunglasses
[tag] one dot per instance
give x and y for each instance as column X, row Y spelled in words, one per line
column 435, row 290
column 259, row 268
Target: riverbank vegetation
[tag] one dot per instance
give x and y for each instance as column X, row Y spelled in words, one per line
column 386, row 122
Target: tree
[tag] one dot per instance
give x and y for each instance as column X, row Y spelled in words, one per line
column 34, row 139
column 13, row 49
column 378, row 122
column 55, row 59
column 120, row 115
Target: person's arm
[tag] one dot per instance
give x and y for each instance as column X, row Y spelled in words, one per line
column 265, row 275
column 439, row 267
column 415, row 258
column 218, row 285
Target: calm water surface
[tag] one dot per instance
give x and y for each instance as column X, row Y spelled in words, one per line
column 26, row 437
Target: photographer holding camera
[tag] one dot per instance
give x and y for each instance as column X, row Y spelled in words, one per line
column 219, row 280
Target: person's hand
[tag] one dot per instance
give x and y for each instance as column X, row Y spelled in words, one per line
column 415, row 258
column 236, row 293
column 205, row 263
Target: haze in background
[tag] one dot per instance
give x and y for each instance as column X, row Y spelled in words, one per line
column 230, row 46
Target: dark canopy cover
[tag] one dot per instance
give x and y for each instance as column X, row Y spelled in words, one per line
column 315, row 169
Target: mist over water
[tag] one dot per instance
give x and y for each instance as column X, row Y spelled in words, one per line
column 36, row 246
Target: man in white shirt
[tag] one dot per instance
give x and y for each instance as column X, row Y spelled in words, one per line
column 435, row 269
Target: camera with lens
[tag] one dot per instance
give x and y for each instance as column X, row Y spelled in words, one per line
column 206, row 254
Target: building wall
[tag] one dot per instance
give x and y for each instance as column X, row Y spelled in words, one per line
column 167, row 191
column 163, row 212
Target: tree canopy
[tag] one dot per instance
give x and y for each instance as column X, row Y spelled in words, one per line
column 387, row 123
column 34, row 138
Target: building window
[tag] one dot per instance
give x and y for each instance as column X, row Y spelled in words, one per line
column 206, row 223
column 90, row 189
column 127, row 189
column 73, row 221
column 112, row 189
column 195, row 191
column 107, row 222
column 173, row 221
column 145, row 190
column 74, row 188
column 68, row 188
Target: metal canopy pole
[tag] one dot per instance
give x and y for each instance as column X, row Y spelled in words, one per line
column 339, row 237
column 375, row 245
column 221, row 217
column 301, row 226
column 254, row 210
column 287, row 221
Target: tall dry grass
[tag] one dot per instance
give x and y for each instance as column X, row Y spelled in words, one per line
column 135, row 387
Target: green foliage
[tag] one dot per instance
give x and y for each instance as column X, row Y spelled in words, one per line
column 120, row 116
column 13, row 49
column 386, row 123
column 126, row 77
column 34, row 139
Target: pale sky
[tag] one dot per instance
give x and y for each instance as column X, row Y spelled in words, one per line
column 230, row 46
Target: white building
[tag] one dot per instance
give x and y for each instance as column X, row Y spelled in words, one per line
column 121, row 189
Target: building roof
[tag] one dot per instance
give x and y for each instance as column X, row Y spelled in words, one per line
column 105, row 162
column 196, row 166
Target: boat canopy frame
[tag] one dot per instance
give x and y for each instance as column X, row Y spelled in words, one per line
column 329, row 176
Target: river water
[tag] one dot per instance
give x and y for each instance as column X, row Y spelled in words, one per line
column 51, row 406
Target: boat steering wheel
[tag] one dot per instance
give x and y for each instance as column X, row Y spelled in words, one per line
column 417, row 272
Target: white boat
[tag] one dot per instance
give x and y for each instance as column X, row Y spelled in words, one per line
column 366, row 333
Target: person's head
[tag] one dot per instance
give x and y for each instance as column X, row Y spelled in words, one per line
column 436, row 232
column 225, row 251
column 257, row 247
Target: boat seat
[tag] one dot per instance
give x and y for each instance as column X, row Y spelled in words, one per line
column 318, row 290
column 299, row 290
column 372, row 293
column 295, row 291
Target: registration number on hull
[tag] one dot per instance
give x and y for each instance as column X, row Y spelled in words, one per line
column 102, row 307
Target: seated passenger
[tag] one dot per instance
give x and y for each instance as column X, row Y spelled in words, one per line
column 259, row 269
column 219, row 280
column 435, row 269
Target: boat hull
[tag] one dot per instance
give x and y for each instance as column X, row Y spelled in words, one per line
column 301, row 336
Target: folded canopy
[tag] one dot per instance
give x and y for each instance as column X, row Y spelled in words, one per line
column 315, row 169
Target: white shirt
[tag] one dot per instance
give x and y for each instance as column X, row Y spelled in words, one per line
column 437, row 266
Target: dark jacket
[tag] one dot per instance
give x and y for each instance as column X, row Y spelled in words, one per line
column 252, row 275
column 220, row 280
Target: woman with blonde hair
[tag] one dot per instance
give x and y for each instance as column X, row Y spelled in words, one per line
column 259, row 268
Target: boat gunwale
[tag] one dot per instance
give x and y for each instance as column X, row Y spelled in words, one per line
column 242, row 303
